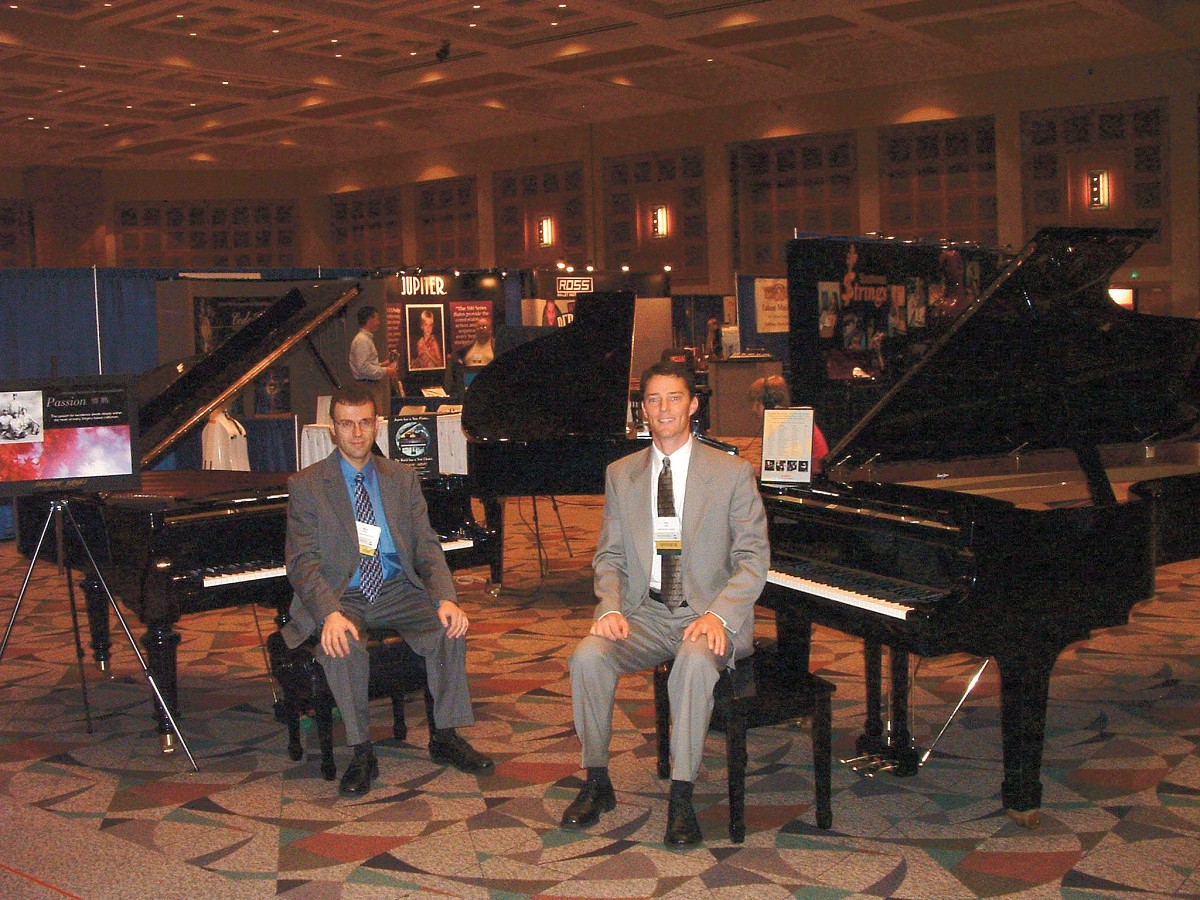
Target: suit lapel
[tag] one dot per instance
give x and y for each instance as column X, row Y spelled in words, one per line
column 640, row 513
column 338, row 497
column 695, row 496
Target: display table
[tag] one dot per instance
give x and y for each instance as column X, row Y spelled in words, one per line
column 316, row 442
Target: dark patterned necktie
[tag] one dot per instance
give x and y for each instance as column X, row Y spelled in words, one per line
column 672, row 586
column 370, row 568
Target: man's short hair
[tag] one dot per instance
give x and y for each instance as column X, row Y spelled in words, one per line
column 672, row 369
column 365, row 313
column 353, row 393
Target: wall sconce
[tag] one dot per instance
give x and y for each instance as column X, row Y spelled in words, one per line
column 545, row 231
column 660, row 225
column 1097, row 189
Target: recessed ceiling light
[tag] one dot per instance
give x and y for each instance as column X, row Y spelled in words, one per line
column 553, row 23
column 472, row 25
column 274, row 31
column 191, row 34
column 30, row 118
column 179, row 15
column 191, row 104
column 82, row 66
column 224, row 82
column 333, row 40
column 45, row 128
column 412, row 52
column 337, row 56
column 129, row 107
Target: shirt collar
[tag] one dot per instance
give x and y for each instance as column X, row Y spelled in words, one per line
column 682, row 455
column 348, row 471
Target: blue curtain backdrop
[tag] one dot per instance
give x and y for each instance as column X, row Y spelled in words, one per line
column 49, row 320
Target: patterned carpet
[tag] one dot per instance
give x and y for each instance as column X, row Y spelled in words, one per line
column 106, row 815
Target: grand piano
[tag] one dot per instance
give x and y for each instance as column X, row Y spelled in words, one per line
column 548, row 416
column 189, row 541
column 1011, row 493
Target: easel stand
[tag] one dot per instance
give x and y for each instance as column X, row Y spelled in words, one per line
column 59, row 509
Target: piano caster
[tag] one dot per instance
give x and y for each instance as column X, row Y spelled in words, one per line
column 167, row 742
column 1026, row 818
column 494, row 587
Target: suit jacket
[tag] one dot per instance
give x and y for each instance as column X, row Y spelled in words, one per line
column 726, row 553
column 321, row 550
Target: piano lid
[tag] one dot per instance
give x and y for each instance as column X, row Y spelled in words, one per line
column 573, row 382
column 174, row 398
column 1042, row 360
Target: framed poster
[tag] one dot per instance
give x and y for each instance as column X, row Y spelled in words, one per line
column 426, row 336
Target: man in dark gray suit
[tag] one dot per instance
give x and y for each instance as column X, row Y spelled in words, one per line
column 681, row 559
column 361, row 552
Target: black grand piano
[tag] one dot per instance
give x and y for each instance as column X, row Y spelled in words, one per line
column 549, row 415
column 189, row 541
column 1012, row 492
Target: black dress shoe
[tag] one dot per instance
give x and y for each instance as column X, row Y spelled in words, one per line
column 357, row 780
column 446, row 746
column 595, row 798
column 683, row 828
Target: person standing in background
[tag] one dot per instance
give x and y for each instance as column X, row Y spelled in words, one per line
column 364, row 360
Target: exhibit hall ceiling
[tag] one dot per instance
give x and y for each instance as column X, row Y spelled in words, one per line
column 254, row 85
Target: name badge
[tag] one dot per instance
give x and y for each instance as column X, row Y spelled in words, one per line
column 368, row 538
column 668, row 536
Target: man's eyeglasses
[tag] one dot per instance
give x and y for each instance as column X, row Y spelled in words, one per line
column 352, row 425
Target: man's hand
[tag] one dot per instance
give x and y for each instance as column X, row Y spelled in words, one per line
column 336, row 634
column 711, row 628
column 613, row 626
column 453, row 618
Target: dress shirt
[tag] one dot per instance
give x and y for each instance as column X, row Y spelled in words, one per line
column 679, row 469
column 364, row 357
column 387, row 547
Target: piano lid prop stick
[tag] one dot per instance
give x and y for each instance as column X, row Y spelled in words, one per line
column 961, row 700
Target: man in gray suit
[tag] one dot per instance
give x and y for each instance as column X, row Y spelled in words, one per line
column 681, row 559
column 360, row 552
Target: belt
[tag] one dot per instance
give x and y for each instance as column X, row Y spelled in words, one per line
column 657, row 597
column 368, row 380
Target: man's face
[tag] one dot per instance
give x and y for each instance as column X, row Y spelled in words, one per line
column 483, row 331
column 354, row 431
column 372, row 323
column 668, row 411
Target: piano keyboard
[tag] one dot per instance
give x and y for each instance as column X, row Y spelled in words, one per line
column 874, row 593
column 260, row 571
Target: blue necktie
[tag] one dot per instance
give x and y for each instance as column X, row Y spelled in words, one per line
column 370, row 568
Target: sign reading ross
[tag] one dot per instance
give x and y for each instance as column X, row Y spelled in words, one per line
column 570, row 285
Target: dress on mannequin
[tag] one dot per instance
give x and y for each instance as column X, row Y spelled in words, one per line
column 224, row 443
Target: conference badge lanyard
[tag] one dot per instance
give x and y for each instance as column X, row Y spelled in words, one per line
column 368, row 538
column 668, row 536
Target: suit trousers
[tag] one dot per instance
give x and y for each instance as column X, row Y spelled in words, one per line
column 655, row 635
column 408, row 610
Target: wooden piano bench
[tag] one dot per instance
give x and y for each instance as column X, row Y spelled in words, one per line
column 762, row 690
column 395, row 671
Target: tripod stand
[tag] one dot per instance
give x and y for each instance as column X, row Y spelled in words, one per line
column 59, row 509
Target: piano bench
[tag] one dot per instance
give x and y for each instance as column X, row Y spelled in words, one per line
column 761, row 690
column 395, row 671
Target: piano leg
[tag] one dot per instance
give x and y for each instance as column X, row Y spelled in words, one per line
column 895, row 751
column 96, row 604
column 1024, row 693
column 161, row 641
column 872, row 740
column 493, row 516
